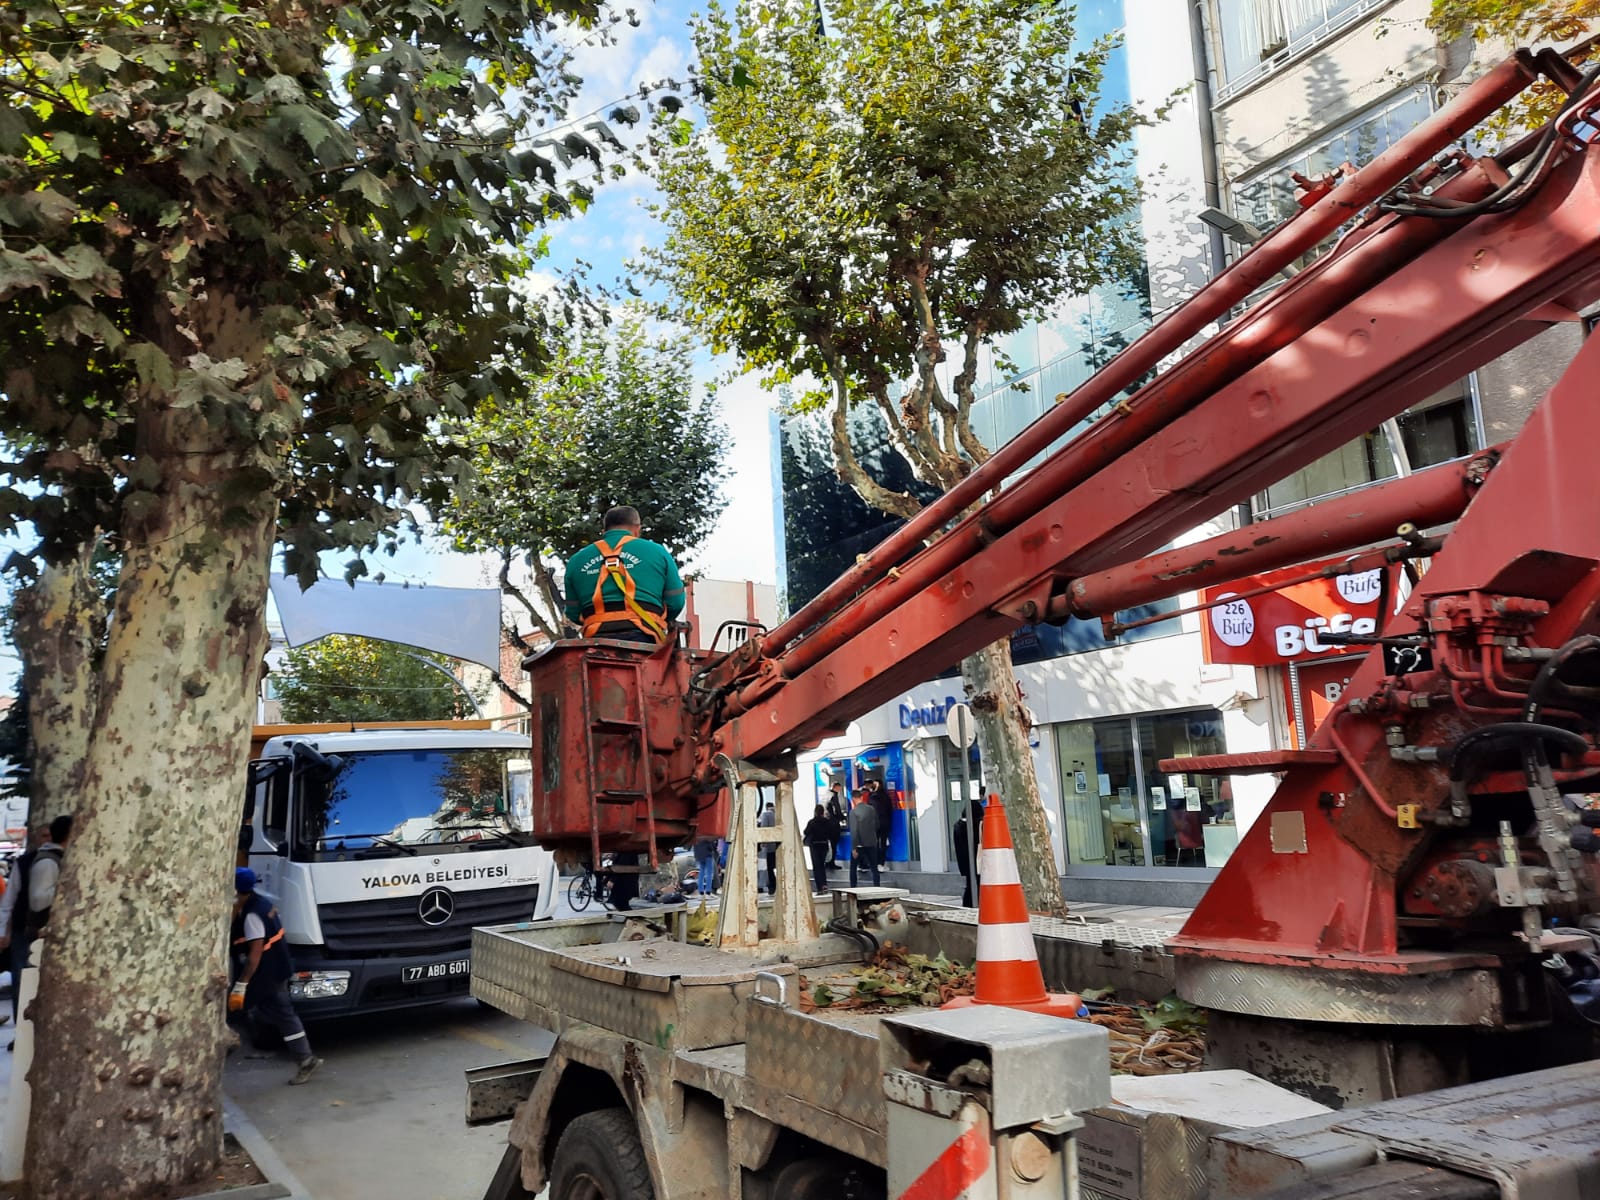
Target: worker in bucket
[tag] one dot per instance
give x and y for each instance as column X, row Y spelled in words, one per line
column 261, row 991
column 624, row 587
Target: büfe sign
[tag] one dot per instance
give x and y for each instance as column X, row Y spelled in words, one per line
column 1284, row 625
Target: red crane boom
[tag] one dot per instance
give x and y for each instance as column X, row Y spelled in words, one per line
column 1408, row 860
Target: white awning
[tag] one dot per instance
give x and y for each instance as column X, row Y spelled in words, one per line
column 461, row 622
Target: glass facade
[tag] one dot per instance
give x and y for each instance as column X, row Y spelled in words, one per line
column 1441, row 427
column 1119, row 808
column 1266, row 197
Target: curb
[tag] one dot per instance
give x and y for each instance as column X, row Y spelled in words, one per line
column 281, row 1181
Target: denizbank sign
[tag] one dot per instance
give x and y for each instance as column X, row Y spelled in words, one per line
column 913, row 716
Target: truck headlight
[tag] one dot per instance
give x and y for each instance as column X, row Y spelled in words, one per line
column 318, row 985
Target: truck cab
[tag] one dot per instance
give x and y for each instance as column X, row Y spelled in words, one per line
column 383, row 848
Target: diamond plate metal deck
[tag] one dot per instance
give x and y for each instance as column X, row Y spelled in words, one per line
column 660, row 992
column 1466, row 997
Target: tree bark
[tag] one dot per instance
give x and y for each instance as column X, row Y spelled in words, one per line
column 127, row 1088
column 1003, row 723
column 60, row 619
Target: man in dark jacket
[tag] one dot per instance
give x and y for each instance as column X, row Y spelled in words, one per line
column 884, row 807
column 820, row 832
column 835, row 812
column 864, row 838
column 262, row 988
column 968, row 835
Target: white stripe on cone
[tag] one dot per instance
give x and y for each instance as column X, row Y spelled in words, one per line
column 996, row 867
column 1006, row 943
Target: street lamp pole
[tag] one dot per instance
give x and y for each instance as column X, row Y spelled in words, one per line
column 448, row 674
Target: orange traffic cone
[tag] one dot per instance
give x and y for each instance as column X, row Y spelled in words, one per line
column 1008, row 964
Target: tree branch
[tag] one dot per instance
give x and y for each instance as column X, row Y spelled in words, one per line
column 854, row 475
column 521, row 597
column 929, row 354
column 551, row 594
column 508, row 690
column 961, row 416
column 924, row 465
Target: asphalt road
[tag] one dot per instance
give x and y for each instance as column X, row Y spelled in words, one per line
column 384, row 1115
column 383, row 1118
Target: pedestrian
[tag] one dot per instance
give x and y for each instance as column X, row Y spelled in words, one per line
column 884, row 807
column 836, row 813
column 623, row 586
column 864, row 838
column 624, row 884
column 10, row 940
column 769, row 850
column 32, row 894
column 705, row 863
column 968, row 834
column 820, row 832
column 261, row 991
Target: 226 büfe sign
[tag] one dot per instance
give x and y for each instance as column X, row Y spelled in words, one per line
column 1286, row 624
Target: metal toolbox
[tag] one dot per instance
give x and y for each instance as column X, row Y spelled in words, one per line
column 662, row 992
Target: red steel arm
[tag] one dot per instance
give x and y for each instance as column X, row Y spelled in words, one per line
column 1180, row 452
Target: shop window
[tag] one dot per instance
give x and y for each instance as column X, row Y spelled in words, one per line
column 1441, row 428
column 1120, row 809
column 1266, row 196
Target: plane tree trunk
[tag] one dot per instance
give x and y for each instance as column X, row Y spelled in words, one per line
column 127, row 1091
column 1008, row 769
column 59, row 621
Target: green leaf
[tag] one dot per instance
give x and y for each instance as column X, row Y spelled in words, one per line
column 372, row 189
column 70, row 146
column 153, row 366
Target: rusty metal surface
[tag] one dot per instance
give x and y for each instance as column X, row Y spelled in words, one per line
column 1259, row 762
column 1328, row 994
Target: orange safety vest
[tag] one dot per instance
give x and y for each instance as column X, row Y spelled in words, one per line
column 632, row 610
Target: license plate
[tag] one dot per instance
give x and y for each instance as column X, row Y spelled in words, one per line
column 439, row 970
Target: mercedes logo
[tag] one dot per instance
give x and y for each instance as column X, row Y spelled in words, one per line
column 436, row 906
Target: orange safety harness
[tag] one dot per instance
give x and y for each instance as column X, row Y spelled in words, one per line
column 632, row 610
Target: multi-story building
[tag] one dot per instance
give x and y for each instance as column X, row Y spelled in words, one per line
column 1270, row 87
column 1303, row 87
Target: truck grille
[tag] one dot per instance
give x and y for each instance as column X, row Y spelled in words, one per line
column 393, row 925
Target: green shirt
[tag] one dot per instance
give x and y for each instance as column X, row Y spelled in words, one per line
column 656, row 582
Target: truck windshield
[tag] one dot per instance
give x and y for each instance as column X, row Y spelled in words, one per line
column 385, row 804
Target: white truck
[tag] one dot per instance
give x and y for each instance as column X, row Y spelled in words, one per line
column 383, row 847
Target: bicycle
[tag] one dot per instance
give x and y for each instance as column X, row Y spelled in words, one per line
column 590, row 886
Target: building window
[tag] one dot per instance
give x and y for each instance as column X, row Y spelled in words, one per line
column 1441, row 428
column 1266, row 197
column 1259, row 36
column 1121, row 809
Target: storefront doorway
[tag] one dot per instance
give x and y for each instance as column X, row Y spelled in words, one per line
column 950, row 788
